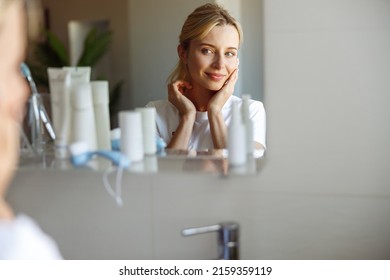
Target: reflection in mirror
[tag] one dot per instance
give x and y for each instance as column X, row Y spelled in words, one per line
column 201, row 111
column 144, row 49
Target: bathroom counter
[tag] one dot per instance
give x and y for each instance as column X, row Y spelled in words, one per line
column 174, row 163
column 277, row 220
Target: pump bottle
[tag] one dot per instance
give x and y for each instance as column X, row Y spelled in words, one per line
column 248, row 124
column 83, row 118
column 100, row 96
column 236, row 138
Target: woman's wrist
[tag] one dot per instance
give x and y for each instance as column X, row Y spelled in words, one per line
column 213, row 112
column 189, row 117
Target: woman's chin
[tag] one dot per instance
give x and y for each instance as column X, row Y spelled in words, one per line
column 215, row 86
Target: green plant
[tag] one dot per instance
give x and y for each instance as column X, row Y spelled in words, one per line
column 51, row 52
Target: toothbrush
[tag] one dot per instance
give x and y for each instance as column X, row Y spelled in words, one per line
column 38, row 109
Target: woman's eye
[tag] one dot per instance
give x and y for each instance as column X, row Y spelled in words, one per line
column 230, row 54
column 206, row 51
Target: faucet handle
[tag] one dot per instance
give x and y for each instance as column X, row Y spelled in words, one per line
column 227, row 237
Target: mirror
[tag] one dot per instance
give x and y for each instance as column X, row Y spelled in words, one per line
column 146, row 33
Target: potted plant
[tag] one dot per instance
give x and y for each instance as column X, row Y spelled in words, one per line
column 51, row 52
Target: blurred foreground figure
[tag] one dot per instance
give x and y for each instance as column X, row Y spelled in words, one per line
column 20, row 236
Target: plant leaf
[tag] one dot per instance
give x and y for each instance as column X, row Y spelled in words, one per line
column 48, row 53
column 58, row 48
column 96, row 45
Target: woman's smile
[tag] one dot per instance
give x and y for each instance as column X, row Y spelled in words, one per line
column 216, row 77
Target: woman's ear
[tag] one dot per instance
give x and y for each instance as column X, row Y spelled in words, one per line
column 182, row 52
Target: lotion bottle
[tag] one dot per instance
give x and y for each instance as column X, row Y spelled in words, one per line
column 83, row 119
column 100, row 96
column 248, row 123
column 148, row 129
column 236, row 138
column 60, row 89
column 130, row 123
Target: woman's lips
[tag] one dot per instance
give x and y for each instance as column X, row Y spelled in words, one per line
column 216, row 77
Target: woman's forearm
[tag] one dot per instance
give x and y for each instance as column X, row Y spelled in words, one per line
column 218, row 130
column 182, row 134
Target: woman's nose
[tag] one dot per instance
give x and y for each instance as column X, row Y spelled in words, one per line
column 218, row 61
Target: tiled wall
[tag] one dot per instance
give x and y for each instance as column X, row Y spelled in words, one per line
column 327, row 90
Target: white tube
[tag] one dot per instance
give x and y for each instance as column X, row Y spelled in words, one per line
column 130, row 123
column 236, row 138
column 248, row 124
column 59, row 83
column 148, row 116
column 100, row 97
column 79, row 75
column 83, row 118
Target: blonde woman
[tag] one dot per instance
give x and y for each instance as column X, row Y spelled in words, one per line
column 20, row 236
column 201, row 87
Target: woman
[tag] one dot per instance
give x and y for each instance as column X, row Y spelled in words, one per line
column 20, row 236
column 200, row 90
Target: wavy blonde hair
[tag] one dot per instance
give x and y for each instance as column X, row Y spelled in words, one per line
column 197, row 25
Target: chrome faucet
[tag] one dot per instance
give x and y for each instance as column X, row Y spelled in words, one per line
column 228, row 246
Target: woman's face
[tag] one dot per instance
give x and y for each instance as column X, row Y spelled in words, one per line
column 211, row 60
column 13, row 88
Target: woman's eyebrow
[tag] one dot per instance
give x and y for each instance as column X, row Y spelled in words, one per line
column 213, row 46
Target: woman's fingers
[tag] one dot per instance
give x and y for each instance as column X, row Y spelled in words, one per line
column 219, row 99
column 232, row 78
column 176, row 96
column 181, row 86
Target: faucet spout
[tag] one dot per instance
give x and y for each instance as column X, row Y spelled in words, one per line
column 228, row 236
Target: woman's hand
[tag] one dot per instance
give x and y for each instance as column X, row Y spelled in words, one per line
column 187, row 111
column 218, row 127
column 219, row 99
column 176, row 96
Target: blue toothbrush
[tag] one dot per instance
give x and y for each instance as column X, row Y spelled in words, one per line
column 38, row 108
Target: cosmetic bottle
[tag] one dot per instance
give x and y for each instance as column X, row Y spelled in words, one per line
column 100, row 96
column 79, row 75
column 148, row 129
column 83, row 118
column 60, row 87
column 130, row 123
column 248, row 124
column 236, row 138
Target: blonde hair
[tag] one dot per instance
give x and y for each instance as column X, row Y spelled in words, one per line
column 197, row 25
